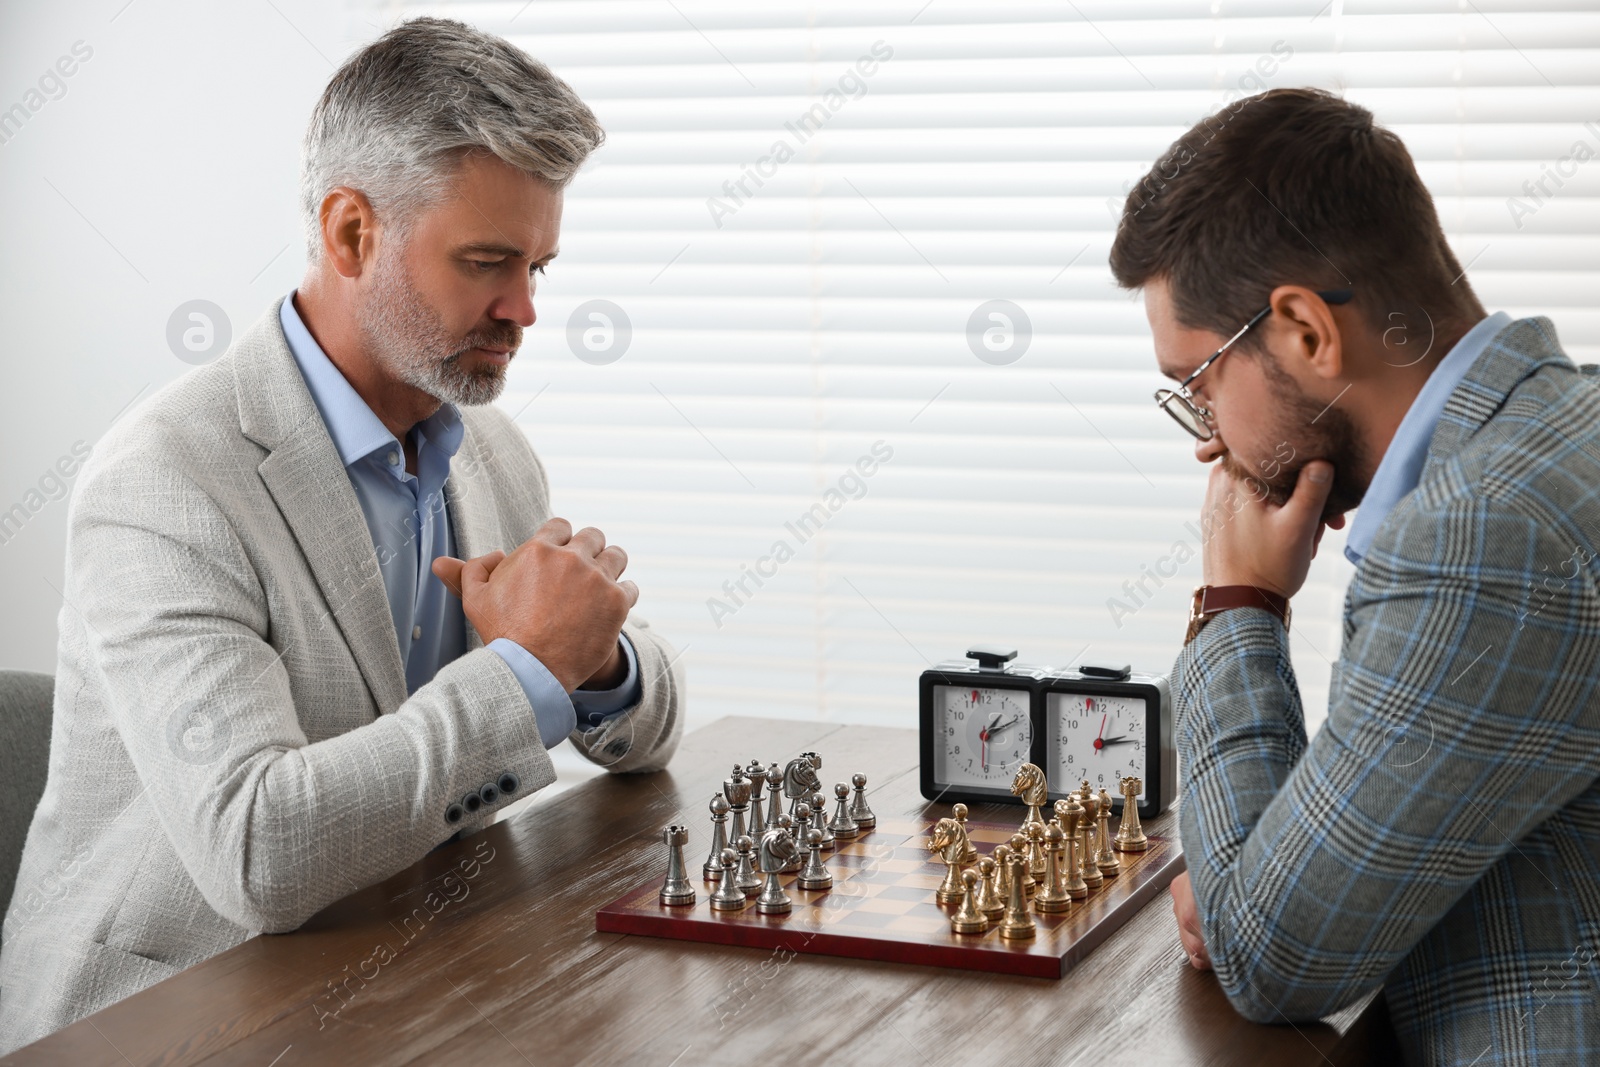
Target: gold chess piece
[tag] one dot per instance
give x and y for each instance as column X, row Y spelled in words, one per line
column 1036, row 860
column 1054, row 896
column 990, row 900
column 1087, row 844
column 970, row 856
column 1002, row 861
column 1091, row 807
column 1106, row 860
column 968, row 919
column 1130, row 835
column 1019, row 847
column 1069, row 813
column 1018, row 924
column 1029, row 784
column 947, row 841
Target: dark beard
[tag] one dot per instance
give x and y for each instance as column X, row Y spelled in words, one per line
column 1313, row 431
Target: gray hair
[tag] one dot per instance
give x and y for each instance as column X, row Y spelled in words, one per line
column 397, row 118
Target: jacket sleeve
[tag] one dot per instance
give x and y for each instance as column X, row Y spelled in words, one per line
column 272, row 828
column 1458, row 720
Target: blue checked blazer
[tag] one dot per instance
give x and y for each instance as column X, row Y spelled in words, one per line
column 1440, row 836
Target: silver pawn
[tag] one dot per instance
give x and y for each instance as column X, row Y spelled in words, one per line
column 758, row 778
column 859, row 811
column 746, row 878
column 842, row 825
column 676, row 890
column 779, row 843
column 728, row 896
column 814, row 875
column 736, row 787
column 712, row 868
column 802, row 827
column 819, row 804
column 774, row 794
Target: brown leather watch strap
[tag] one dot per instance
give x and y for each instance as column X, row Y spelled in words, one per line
column 1215, row 598
column 1209, row 600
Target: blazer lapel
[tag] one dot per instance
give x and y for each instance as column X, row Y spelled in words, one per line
column 311, row 488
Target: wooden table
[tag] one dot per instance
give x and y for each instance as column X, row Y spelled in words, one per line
column 511, row 971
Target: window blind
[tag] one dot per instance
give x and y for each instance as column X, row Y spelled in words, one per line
column 833, row 350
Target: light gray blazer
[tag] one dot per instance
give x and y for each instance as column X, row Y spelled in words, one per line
column 233, row 748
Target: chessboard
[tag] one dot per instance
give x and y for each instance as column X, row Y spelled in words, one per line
column 882, row 907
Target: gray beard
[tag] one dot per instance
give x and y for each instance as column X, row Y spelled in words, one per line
column 409, row 340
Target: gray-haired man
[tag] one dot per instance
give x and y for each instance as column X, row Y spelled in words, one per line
column 266, row 699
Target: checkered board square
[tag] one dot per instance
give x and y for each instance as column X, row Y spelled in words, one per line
column 882, row 907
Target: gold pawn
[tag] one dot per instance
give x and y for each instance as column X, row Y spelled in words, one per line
column 1002, row 858
column 1036, row 860
column 1107, row 860
column 968, row 919
column 1130, row 835
column 1054, row 896
column 991, row 901
column 1019, row 847
column 1018, row 924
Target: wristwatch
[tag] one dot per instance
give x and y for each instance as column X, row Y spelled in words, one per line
column 1211, row 600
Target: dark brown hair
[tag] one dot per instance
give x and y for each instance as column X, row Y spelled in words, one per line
column 1290, row 187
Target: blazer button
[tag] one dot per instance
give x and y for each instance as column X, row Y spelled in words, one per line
column 454, row 813
column 489, row 792
column 472, row 802
column 509, row 783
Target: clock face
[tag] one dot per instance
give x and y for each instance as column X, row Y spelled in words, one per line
column 984, row 735
column 1101, row 738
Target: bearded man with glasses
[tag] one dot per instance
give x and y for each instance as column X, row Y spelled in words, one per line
column 1440, row 836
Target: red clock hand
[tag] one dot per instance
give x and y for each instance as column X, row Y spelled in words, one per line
column 1098, row 743
column 983, row 737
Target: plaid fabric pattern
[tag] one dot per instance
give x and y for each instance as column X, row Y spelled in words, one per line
column 1440, row 836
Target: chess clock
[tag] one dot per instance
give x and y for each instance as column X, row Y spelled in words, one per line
column 982, row 718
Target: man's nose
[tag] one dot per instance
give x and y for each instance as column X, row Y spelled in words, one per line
column 1206, row 451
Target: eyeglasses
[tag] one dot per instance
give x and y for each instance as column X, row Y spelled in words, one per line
column 1179, row 402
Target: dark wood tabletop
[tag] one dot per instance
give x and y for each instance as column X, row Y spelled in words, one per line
column 504, row 966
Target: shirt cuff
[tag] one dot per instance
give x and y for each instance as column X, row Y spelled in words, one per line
column 594, row 706
column 552, row 709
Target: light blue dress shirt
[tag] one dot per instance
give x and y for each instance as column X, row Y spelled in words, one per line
column 1401, row 467
column 409, row 519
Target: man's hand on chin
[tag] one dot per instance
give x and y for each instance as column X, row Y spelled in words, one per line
column 1263, row 544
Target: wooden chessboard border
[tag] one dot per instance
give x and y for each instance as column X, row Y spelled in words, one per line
column 1060, row 944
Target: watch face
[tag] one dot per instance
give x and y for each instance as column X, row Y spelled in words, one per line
column 984, row 735
column 1101, row 738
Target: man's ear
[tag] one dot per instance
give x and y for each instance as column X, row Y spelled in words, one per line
column 1307, row 332
column 349, row 231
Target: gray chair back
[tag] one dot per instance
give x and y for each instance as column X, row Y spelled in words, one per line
column 26, row 702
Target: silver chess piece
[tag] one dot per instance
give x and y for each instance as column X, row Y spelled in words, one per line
column 786, row 823
column 728, row 896
column 746, row 878
column 712, row 868
column 736, row 787
column 774, row 794
column 676, row 890
column 819, row 806
column 777, row 847
column 815, row 874
column 842, row 825
column 799, row 782
column 758, row 778
column 859, row 811
column 802, row 823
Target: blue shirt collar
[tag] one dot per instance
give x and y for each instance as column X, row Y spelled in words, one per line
column 356, row 431
column 1401, row 467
